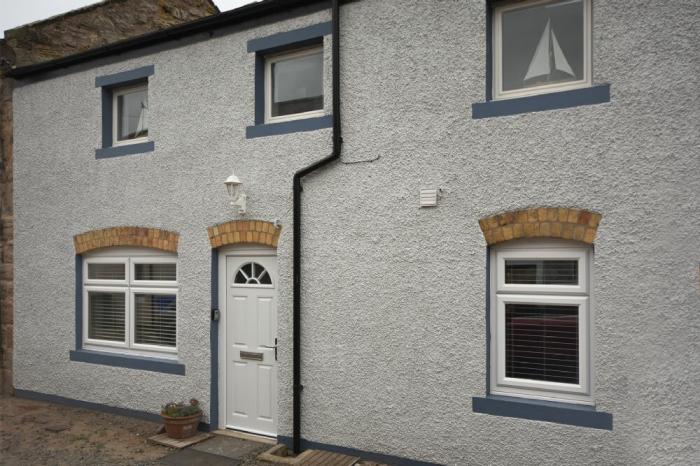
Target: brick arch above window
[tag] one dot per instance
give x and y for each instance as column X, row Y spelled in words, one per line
column 542, row 222
column 244, row 231
column 154, row 238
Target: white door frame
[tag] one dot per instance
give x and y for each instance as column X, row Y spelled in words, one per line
column 224, row 253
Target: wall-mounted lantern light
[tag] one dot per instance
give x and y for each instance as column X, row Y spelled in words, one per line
column 234, row 186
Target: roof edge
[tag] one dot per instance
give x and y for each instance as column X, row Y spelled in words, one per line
column 236, row 16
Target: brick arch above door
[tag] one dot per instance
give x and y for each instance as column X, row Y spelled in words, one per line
column 244, row 232
column 154, row 238
column 541, row 222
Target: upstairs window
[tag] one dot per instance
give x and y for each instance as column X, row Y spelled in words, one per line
column 541, row 46
column 294, row 85
column 130, row 118
column 125, row 113
column 130, row 302
column 540, row 321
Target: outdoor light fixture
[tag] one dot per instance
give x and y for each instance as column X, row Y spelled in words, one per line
column 234, row 186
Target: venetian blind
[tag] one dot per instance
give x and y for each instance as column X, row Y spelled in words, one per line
column 106, row 315
column 542, row 342
column 155, row 319
column 541, row 272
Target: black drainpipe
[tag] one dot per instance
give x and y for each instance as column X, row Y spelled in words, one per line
column 337, row 141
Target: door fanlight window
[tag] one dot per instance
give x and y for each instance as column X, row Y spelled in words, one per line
column 252, row 273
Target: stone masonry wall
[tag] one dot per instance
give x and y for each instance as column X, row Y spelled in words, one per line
column 73, row 32
column 100, row 24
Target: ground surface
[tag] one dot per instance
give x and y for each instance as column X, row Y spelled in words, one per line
column 37, row 433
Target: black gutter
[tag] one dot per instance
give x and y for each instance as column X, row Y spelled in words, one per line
column 296, row 268
column 208, row 24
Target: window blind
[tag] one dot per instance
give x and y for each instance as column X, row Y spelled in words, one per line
column 162, row 272
column 542, row 342
column 155, row 319
column 106, row 316
column 98, row 271
column 541, row 272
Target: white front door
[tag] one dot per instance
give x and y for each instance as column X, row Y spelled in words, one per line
column 251, row 337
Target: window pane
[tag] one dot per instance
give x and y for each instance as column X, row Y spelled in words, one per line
column 541, row 272
column 297, row 85
column 164, row 272
column 106, row 272
column 252, row 273
column 155, row 319
column 132, row 111
column 542, row 342
column 106, row 316
column 542, row 44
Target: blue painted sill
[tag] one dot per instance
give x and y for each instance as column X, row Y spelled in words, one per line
column 287, row 127
column 132, row 362
column 538, row 103
column 126, row 149
column 548, row 411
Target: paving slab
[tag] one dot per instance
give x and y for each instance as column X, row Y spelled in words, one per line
column 192, row 457
column 230, row 447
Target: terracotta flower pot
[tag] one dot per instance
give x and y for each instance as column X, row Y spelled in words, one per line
column 181, row 427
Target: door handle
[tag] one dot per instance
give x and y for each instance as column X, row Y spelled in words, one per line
column 271, row 347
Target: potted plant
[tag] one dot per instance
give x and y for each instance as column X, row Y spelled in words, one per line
column 180, row 419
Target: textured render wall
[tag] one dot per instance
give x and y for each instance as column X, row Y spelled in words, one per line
column 73, row 32
column 394, row 327
column 200, row 102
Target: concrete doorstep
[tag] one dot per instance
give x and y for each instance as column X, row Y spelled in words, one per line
column 216, row 451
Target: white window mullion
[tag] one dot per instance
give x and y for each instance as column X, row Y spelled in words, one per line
column 130, row 320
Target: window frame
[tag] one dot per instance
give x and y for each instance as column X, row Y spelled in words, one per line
column 107, row 260
column 497, row 25
column 152, row 260
column 252, row 285
column 567, row 295
column 119, row 91
column 130, row 287
column 269, row 60
column 132, row 320
column 502, row 255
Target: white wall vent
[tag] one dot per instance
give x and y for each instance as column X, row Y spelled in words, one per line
column 429, row 197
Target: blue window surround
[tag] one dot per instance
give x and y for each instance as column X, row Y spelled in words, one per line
column 525, row 408
column 214, row 343
column 554, row 100
column 108, row 83
column 110, row 359
column 275, row 43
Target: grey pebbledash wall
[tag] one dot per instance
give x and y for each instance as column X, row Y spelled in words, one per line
column 393, row 296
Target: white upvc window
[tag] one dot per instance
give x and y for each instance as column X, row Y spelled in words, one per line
column 541, row 46
column 130, row 114
column 130, row 302
column 541, row 321
column 294, row 85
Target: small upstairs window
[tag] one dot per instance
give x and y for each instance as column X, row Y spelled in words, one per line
column 541, row 46
column 294, row 85
column 130, row 118
column 125, row 113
